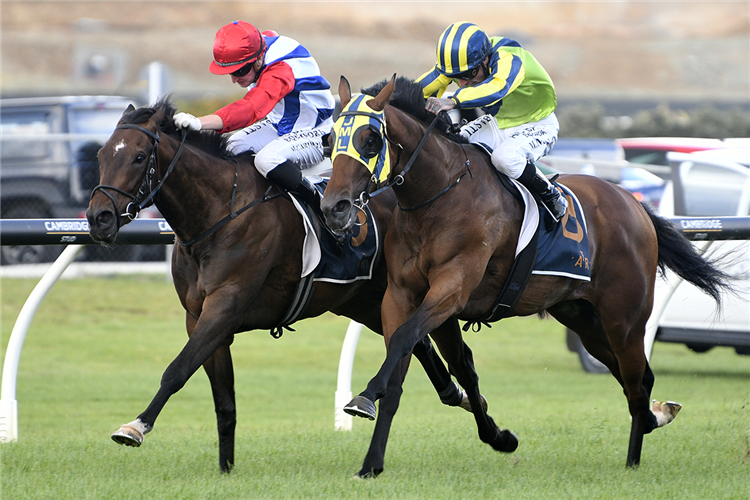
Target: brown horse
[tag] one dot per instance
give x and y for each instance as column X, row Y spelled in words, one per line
column 234, row 269
column 451, row 245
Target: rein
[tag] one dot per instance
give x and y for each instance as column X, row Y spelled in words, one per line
column 222, row 222
column 139, row 202
column 399, row 178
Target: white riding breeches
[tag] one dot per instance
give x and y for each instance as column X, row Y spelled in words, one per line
column 514, row 147
column 304, row 148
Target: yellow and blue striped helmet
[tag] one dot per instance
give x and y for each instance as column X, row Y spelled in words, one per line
column 461, row 47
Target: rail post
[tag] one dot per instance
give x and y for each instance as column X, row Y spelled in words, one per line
column 8, row 402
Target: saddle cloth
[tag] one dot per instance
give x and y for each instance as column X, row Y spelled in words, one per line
column 563, row 251
column 332, row 262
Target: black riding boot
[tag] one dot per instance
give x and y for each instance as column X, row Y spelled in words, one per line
column 288, row 176
column 538, row 184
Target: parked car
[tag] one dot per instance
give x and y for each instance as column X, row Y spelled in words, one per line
column 604, row 158
column 49, row 164
column 653, row 150
column 645, row 186
column 704, row 187
column 738, row 154
column 589, row 149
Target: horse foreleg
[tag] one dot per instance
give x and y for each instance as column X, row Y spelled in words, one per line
column 221, row 375
column 217, row 316
column 374, row 460
column 401, row 344
column 406, row 321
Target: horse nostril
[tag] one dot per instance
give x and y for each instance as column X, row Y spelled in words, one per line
column 342, row 207
column 104, row 218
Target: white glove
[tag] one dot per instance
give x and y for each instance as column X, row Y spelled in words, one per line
column 188, row 121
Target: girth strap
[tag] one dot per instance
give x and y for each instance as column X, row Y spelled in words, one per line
column 518, row 278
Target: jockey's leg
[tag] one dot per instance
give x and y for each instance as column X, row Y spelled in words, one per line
column 282, row 160
column 517, row 150
column 288, row 176
column 537, row 182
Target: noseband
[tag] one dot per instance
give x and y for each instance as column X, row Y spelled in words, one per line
column 145, row 195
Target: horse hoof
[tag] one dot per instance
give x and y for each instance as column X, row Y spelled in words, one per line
column 129, row 436
column 466, row 405
column 360, row 406
column 507, row 442
column 368, row 474
column 665, row 411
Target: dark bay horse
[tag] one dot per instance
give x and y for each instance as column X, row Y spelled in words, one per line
column 451, row 245
column 234, row 278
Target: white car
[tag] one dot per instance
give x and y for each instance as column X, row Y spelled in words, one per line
column 702, row 185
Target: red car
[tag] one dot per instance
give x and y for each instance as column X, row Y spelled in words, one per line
column 653, row 150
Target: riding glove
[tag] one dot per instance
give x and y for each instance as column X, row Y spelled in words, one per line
column 188, row 121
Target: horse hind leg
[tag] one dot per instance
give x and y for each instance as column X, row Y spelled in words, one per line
column 665, row 411
column 627, row 364
column 449, row 392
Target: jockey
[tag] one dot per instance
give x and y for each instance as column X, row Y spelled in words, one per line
column 508, row 84
column 285, row 113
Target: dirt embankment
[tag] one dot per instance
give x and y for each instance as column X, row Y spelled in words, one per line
column 629, row 49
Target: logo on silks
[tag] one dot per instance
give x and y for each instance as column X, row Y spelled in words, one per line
column 355, row 118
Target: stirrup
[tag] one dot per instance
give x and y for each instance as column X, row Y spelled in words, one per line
column 556, row 204
column 552, row 198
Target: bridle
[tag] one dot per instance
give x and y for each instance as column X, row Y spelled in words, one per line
column 145, row 195
column 398, row 179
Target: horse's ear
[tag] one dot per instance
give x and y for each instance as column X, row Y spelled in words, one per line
column 129, row 109
column 345, row 91
column 379, row 102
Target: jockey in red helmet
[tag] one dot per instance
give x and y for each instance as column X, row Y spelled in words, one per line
column 514, row 91
column 284, row 115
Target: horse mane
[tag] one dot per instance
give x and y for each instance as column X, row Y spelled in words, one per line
column 408, row 96
column 164, row 110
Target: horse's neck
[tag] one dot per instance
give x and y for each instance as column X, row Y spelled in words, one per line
column 198, row 191
column 432, row 169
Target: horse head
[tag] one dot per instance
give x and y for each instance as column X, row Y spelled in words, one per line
column 128, row 165
column 361, row 155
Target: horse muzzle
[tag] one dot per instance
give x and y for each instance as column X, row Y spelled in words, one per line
column 103, row 224
column 339, row 214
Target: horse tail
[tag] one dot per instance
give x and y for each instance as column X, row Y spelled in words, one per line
column 678, row 254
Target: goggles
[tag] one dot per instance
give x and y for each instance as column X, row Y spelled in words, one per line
column 355, row 118
column 467, row 75
column 243, row 70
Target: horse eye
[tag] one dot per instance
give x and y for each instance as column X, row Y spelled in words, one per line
column 140, row 158
column 371, row 147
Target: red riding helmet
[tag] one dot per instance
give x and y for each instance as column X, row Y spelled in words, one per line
column 236, row 44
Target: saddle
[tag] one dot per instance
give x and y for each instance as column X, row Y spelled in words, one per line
column 561, row 250
column 324, row 258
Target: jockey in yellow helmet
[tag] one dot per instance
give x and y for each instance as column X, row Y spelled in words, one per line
column 514, row 91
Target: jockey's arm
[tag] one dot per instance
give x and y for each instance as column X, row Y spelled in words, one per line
column 274, row 83
column 506, row 74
